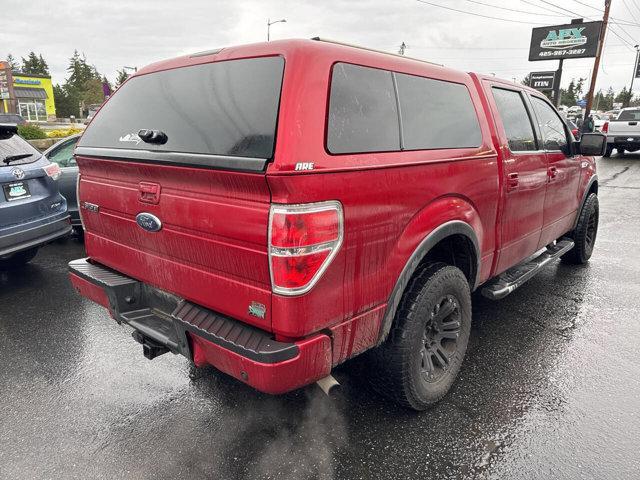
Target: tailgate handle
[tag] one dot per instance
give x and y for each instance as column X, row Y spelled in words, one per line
column 149, row 192
column 633, row 123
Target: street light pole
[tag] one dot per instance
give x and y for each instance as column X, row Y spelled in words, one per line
column 633, row 76
column 269, row 23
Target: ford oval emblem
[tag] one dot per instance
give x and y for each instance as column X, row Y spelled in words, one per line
column 148, row 222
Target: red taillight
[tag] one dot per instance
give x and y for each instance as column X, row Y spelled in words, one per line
column 303, row 239
column 575, row 133
column 53, row 170
column 605, row 127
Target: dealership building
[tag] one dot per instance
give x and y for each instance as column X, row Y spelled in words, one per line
column 30, row 96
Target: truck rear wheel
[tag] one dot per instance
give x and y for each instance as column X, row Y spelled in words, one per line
column 420, row 359
column 585, row 233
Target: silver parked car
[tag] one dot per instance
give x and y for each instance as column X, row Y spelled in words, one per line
column 62, row 154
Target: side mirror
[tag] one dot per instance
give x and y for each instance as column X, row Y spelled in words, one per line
column 592, row 144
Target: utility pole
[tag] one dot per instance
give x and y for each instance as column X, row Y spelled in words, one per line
column 596, row 64
column 403, row 46
column 635, row 74
column 556, row 85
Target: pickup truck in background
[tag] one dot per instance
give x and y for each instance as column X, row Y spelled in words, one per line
column 290, row 205
column 623, row 133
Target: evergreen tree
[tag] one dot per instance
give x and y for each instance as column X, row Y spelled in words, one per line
column 607, row 100
column 44, row 67
column 121, row 77
column 66, row 105
column 34, row 65
column 79, row 71
column 13, row 63
column 624, row 97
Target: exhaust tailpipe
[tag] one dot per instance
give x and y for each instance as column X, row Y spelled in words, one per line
column 327, row 384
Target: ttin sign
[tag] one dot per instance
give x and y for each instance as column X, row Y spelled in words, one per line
column 543, row 81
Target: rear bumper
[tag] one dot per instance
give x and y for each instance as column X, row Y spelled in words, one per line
column 632, row 139
column 33, row 236
column 162, row 321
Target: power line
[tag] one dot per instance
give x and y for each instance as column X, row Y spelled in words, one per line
column 611, row 29
column 617, row 20
column 589, row 6
column 629, row 10
column 633, row 40
column 513, row 9
column 560, row 8
column 479, row 15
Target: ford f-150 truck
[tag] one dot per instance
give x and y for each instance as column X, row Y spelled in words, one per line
column 623, row 133
column 276, row 209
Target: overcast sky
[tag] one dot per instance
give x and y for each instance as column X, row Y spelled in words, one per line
column 113, row 33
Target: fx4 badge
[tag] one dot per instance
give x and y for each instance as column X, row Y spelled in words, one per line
column 257, row 310
column 92, row 207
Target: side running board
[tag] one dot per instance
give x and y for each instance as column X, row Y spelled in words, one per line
column 508, row 281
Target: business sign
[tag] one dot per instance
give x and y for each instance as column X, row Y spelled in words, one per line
column 543, row 81
column 26, row 81
column 6, row 88
column 576, row 40
column 637, row 66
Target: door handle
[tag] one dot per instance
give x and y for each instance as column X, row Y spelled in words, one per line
column 512, row 181
column 149, row 192
column 553, row 172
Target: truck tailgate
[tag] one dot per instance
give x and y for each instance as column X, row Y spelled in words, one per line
column 212, row 245
column 621, row 127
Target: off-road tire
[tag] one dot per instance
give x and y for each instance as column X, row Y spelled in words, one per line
column 608, row 151
column 18, row 259
column 397, row 367
column 585, row 233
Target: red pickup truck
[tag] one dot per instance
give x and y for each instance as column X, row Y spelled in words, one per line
column 278, row 208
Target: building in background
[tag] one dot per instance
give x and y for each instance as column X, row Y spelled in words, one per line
column 30, row 96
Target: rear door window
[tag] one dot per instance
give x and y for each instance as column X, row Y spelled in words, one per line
column 363, row 114
column 436, row 114
column 227, row 108
column 515, row 119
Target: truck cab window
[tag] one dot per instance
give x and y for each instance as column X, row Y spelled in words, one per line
column 554, row 132
column 515, row 119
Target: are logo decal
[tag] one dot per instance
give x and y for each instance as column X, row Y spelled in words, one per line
column 130, row 137
column 304, row 166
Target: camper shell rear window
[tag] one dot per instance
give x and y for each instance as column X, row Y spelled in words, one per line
column 220, row 114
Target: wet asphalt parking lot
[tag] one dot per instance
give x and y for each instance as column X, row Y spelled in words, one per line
column 550, row 387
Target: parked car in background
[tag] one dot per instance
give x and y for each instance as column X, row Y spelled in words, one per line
column 575, row 131
column 599, row 119
column 9, row 118
column 32, row 211
column 623, row 133
column 612, row 114
column 92, row 109
column 276, row 209
column 61, row 153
